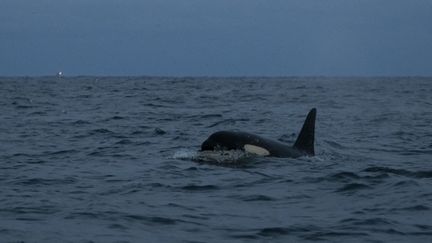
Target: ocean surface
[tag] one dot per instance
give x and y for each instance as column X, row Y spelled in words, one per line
column 113, row 159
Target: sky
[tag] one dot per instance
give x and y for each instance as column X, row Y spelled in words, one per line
column 216, row 37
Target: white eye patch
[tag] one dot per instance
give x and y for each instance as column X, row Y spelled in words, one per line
column 256, row 150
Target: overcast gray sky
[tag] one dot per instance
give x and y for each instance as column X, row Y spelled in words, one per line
column 216, row 37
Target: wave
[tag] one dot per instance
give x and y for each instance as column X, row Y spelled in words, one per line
column 402, row 172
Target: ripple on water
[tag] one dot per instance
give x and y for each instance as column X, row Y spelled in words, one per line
column 32, row 210
column 154, row 220
column 197, row 188
column 402, row 172
column 343, row 176
column 80, row 123
column 412, row 208
column 353, row 187
column 308, row 232
column 46, row 181
column 253, row 198
column 368, row 221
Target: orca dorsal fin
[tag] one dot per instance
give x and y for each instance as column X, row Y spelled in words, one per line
column 306, row 137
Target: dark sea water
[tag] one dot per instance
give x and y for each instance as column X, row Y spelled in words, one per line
column 111, row 159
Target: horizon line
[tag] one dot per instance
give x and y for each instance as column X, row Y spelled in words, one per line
column 214, row 76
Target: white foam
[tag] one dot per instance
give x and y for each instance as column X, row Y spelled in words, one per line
column 216, row 156
column 185, row 154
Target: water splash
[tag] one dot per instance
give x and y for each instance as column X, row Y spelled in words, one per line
column 185, row 154
column 217, row 156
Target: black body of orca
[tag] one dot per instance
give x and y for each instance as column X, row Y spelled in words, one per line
column 227, row 140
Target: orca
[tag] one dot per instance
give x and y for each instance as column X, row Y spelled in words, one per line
column 254, row 144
